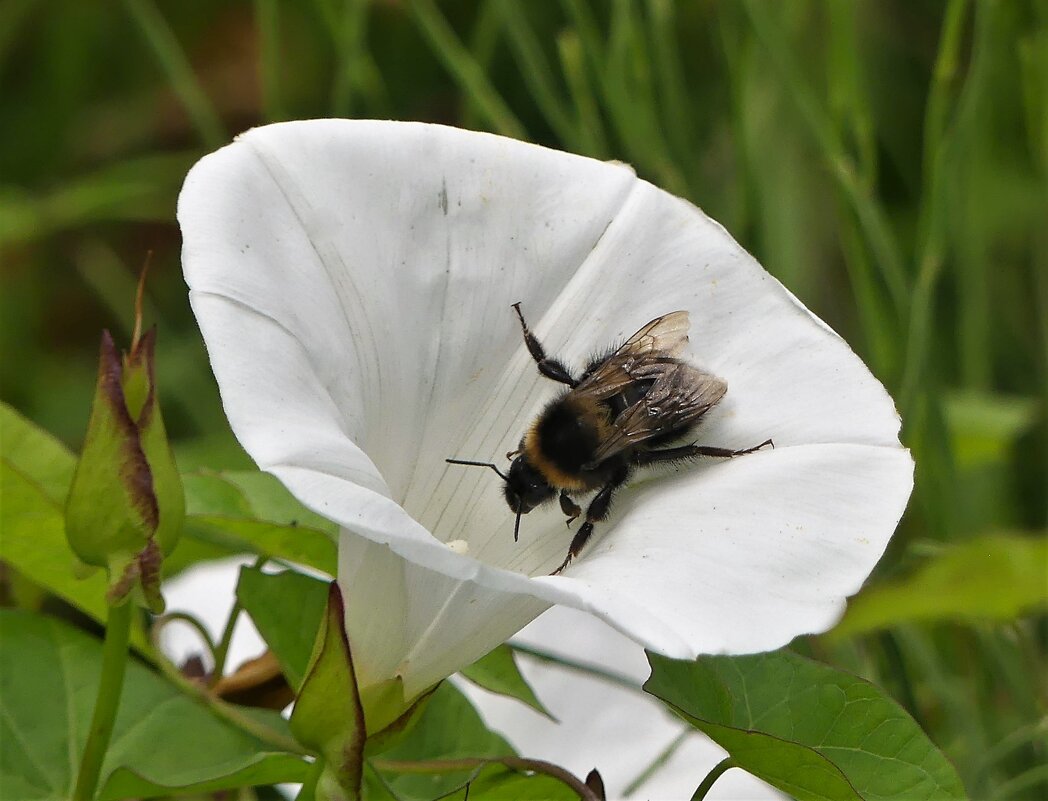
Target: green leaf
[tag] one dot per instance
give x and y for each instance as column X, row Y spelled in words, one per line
column 252, row 512
column 35, row 471
column 984, row 425
column 37, row 455
column 497, row 672
column 810, row 730
column 997, row 577
column 328, row 717
column 271, row 501
column 287, row 609
column 163, row 740
column 33, row 542
column 448, row 728
column 251, row 494
column 227, row 514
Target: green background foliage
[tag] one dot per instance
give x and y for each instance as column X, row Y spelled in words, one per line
column 885, row 159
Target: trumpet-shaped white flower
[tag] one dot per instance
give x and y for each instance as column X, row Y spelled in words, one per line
column 353, row 283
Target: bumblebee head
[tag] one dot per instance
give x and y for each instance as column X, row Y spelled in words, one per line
column 525, row 487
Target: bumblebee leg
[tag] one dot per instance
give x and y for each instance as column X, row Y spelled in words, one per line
column 642, row 458
column 551, row 368
column 577, row 543
column 569, row 507
column 595, row 512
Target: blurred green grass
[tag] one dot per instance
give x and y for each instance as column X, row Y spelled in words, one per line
column 885, row 159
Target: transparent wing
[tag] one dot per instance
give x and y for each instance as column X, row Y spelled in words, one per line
column 679, row 396
column 656, row 344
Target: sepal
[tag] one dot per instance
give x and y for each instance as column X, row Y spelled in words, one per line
column 328, row 717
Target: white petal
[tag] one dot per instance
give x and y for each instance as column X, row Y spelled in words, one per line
column 763, row 548
column 418, row 623
column 353, row 282
column 389, row 254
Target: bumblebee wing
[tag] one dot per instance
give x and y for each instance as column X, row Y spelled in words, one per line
column 679, row 396
column 665, row 335
column 659, row 342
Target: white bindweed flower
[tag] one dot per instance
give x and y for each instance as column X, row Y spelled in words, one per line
column 353, row 282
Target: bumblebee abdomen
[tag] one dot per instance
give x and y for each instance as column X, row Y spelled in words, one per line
column 563, row 439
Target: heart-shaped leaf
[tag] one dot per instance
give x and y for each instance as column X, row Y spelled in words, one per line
column 163, row 741
column 287, row 609
column 497, row 672
column 810, row 730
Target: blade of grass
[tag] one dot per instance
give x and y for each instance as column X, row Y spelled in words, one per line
column 139, row 189
column 872, row 219
column 463, row 67
column 590, row 36
column 114, row 286
column 850, row 114
column 1028, row 779
column 738, row 51
column 358, row 82
column 484, row 41
column 1011, row 742
column 629, row 94
column 593, row 139
column 669, row 78
column 267, row 20
column 356, row 75
column 935, row 481
column 875, row 318
column 595, row 671
column 536, row 72
column 946, row 698
column 168, row 51
column 849, row 105
column 1033, row 64
column 13, row 15
column 934, row 195
column 656, row 764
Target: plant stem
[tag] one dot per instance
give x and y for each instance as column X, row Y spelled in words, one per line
column 719, row 770
column 580, row 788
column 565, row 662
column 221, row 651
column 190, row 621
column 111, row 682
column 230, row 712
column 657, row 763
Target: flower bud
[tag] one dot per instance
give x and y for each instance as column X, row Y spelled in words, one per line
column 125, row 506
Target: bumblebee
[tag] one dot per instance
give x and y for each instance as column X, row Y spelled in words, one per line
column 624, row 412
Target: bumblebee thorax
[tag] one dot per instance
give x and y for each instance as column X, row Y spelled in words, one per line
column 564, row 438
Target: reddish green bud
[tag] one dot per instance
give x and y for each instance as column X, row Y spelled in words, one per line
column 328, row 717
column 125, row 506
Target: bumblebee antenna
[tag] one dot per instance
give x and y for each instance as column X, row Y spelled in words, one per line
column 502, row 475
column 516, row 526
